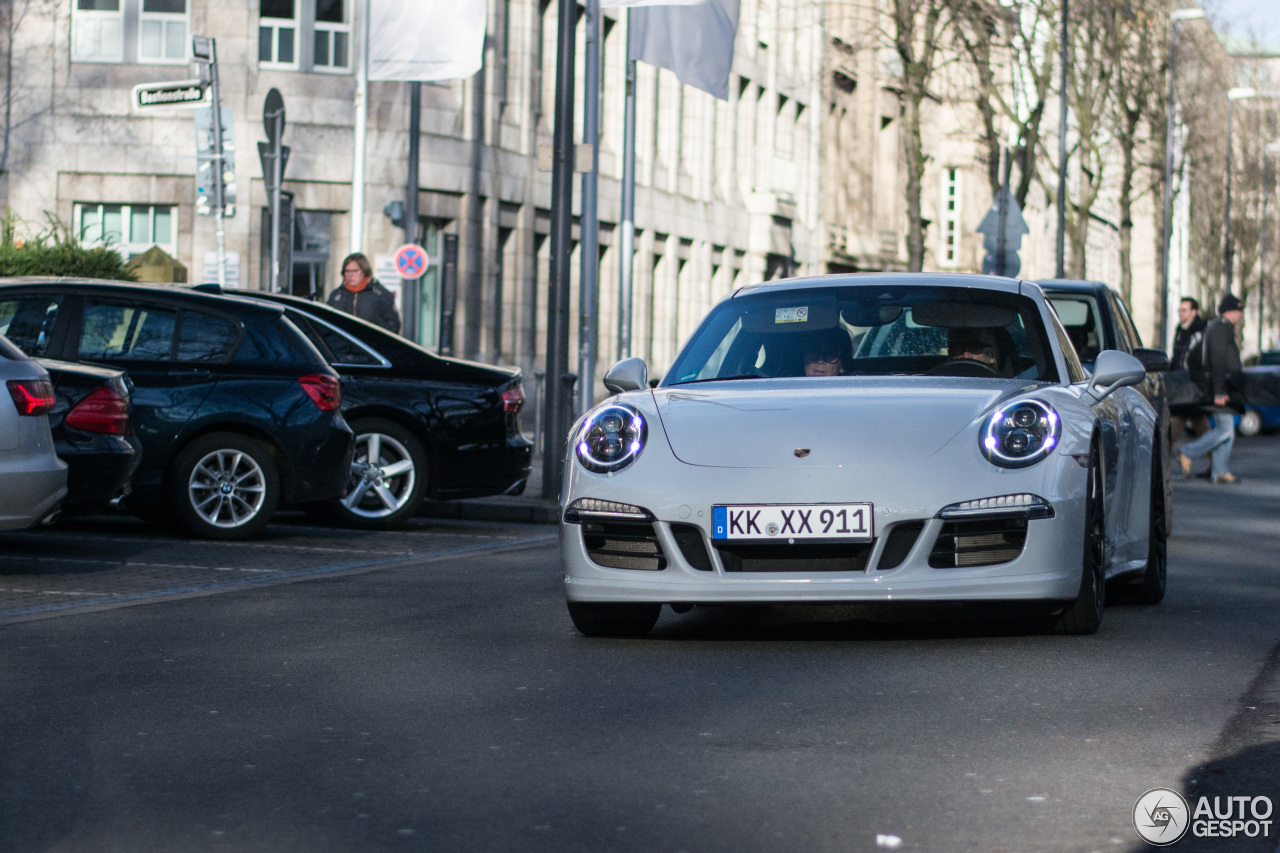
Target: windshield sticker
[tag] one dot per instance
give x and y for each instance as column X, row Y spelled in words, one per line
column 791, row 315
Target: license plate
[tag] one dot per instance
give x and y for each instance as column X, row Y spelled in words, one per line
column 792, row 522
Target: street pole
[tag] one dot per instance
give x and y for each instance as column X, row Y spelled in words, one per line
column 361, row 133
column 1239, row 93
column 1273, row 148
column 205, row 50
column 1175, row 17
column 410, row 291
column 626, row 263
column 563, row 155
column 589, row 279
column 1061, row 267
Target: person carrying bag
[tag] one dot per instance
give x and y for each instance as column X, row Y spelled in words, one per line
column 1215, row 367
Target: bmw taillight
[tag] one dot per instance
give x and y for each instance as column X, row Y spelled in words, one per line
column 104, row 411
column 32, row 396
column 324, row 391
column 512, row 400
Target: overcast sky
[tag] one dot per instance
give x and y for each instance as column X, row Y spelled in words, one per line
column 1258, row 19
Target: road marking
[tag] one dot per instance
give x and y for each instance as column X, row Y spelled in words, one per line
column 247, row 578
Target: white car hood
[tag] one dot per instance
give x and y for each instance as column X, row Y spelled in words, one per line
column 840, row 422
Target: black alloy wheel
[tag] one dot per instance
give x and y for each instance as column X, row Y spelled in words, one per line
column 1149, row 589
column 1084, row 615
column 594, row 619
column 224, row 486
column 389, row 473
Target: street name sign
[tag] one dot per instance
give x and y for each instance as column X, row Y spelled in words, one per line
column 177, row 93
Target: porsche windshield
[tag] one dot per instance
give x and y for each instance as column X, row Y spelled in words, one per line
column 917, row 330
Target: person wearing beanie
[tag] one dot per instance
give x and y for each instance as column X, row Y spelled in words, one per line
column 1222, row 379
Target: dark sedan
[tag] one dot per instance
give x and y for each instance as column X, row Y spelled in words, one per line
column 92, row 433
column 236, row 411
column 425, row 425
column 1097, row 319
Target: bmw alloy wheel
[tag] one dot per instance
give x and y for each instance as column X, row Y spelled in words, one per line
column 224, row 486
column 227, row 488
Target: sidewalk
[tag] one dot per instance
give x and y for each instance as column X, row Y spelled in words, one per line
column 530, row 507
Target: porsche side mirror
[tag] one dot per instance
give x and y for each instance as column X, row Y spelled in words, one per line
column 1114, row 369
column 1154, row 360
column 630, row 374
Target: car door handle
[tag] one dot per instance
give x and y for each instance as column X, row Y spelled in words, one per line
column 189, row 374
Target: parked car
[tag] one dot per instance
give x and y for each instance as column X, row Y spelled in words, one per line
column 1097, row 319
column 425, row 425
column 235, row 409
column 33, row 480
column 919, row 474
column 1262, row 395
column 92, row 433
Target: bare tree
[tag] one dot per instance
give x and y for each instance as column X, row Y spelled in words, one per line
column 917, row 37
column 1011, row 47
column 1141, row 70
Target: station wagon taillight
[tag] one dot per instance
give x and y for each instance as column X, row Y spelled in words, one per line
column 512, row 400
column 325, row 391
column 104, row 411
column 32, row 396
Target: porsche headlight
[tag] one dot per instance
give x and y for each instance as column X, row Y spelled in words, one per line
column 611, row 439
column 1021, row 433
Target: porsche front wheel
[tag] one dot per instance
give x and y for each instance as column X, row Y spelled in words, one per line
column 1084, row 615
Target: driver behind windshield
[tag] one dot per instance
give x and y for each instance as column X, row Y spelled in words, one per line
column 973, row 345
column 827, row 353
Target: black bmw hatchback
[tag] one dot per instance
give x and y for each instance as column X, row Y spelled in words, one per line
column 235, row 409
column 425, row 425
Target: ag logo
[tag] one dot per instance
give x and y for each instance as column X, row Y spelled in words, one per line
column 1161, row 817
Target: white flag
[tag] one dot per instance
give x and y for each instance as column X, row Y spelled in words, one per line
column 426, row 39
column 696, row 42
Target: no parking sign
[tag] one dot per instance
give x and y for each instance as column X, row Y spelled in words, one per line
column 411, row 261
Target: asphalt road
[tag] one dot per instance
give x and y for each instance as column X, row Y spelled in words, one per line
column 332, row 691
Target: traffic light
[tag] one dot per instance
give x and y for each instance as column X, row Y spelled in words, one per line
column 208, row 158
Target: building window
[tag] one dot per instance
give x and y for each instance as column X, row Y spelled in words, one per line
column 332, row 36
column 278, row 33
column 305, row 35
column 155, row 31
column 129, row 229
column 162, row 31
column 97, row 28
column 949, row 256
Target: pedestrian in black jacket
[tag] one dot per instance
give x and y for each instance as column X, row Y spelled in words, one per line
column 363, row 296
column 1186, row 338
column 1223, row 379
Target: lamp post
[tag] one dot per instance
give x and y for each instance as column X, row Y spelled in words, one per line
column 1176, row 17
column 1273, row 148
column 1237, row 94
column 1060, row 267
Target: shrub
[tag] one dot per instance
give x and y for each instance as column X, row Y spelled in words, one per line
column 26, row 249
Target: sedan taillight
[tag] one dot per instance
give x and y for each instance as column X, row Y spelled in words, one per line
column 104, row 411
column 512, row 400
column 325, row 391
column 32, row 396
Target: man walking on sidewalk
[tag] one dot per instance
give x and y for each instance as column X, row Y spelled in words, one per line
column 1221, row 376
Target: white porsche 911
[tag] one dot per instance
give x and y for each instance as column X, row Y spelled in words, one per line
column 867, row 438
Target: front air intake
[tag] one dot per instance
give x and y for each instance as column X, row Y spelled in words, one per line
column 978, row 542
column 623, row 545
